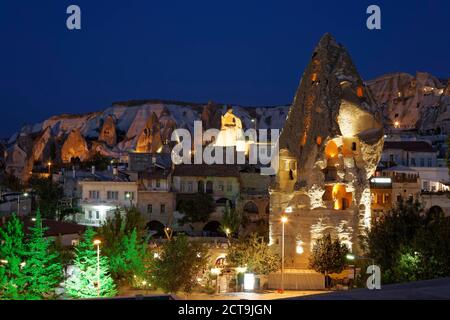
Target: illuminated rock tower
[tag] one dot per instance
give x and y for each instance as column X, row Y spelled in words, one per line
column 329, row 147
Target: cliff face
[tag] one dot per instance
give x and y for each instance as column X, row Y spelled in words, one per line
column 132, row 125
column 413, row 102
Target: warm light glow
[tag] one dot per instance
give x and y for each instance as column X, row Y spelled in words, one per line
column 331, row 150
column 49, row 164
column 227, row 231
column 241, row 269
column 97, row 242
column 397, row 124
column 156, row 255
column 284, row 219
column 350, row 256
column 215, row 271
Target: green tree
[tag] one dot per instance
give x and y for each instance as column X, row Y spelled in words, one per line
column 125, row 244
column 42, row 269
column 410, row 244
column 328, row 255
column 255, row 254
column 49, row 194
column 12, row 257
column 195, row 208
column 231, row 221
column 179, row 264
column 83, row 283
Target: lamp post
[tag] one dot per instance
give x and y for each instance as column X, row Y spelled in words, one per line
column 49, row 164
column 352, row 257
column 128, row 196
column 18, row 202
column 97, row 243
column 284, row 219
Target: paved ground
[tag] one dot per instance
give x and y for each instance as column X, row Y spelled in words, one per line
column 267, row 295
column 419, row 290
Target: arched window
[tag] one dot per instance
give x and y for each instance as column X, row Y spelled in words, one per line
column 251, row 207
column 209, row 187
column 201, row 187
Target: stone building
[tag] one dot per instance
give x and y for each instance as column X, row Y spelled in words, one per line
column 329, row 148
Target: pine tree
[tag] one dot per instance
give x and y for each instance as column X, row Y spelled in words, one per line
column 84, row 281
column 12, row 257
column 42, row 269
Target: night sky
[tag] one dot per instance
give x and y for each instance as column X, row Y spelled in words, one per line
column 242, row 52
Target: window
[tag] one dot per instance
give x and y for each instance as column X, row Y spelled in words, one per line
column 413, row 162
column 386, row 198
column 97, row 215
column 430, row 162
column 183, row 186
column 90, row 214
column 422, row 162
column 158, row 183
column 220, row 186
column 190, row 186
column 229, row 187
column 353, row 146
column 391, row 158
column 163, row 208
column 149, row 208
column 94, row 194
column 112, row 195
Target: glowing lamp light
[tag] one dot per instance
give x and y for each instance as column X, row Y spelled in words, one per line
column 381, row 180
column 249, row 281
column 156, row 255
column 350, row 256
column 97, row 242
column 396, row 124
column 284, row 219
column 215, row 271
column 241, row 269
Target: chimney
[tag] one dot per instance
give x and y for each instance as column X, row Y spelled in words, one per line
column 93, row 170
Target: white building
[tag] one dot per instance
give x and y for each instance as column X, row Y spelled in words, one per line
column 104, row 193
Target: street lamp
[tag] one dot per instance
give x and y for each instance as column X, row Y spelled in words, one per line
column 352, row 257
column 97, row 243
column 128, row 196
column 18, row 202
column 284, row 219
column 49, row 164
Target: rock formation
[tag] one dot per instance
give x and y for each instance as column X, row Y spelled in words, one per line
column 108, row 132
column 329, row 147
column 149, row 140
column 413, row 102
column 167, row 124
column 75, row 147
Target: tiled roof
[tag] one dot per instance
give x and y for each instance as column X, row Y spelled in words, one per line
column 54, row 228
column 415, row 146
column 205, row 170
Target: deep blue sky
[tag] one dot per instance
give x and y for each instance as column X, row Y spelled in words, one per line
column 246, row 52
